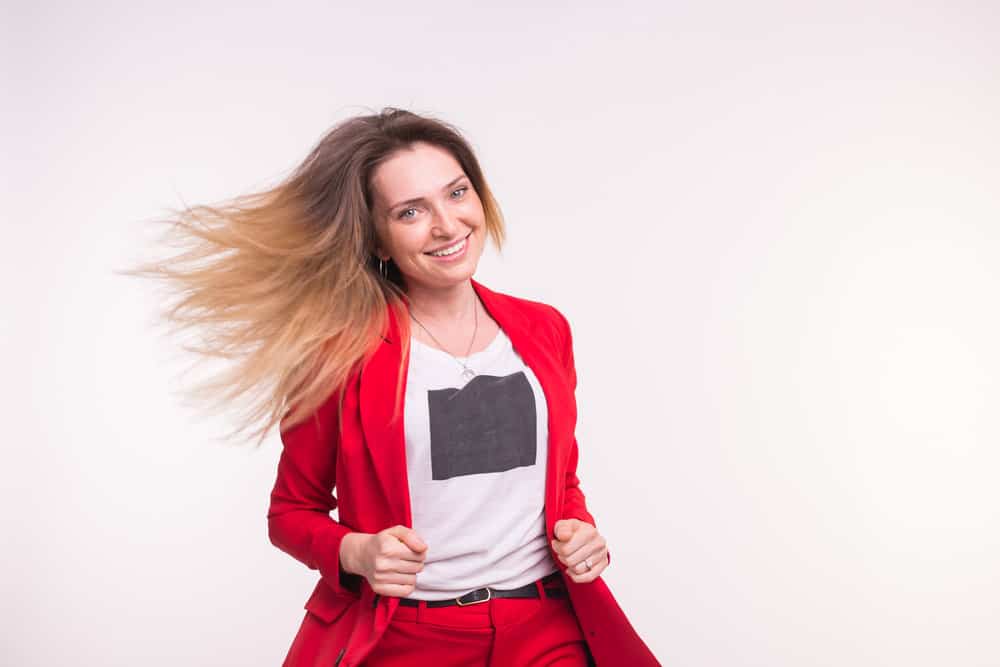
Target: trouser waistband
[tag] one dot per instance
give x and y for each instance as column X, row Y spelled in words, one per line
column 552, row 584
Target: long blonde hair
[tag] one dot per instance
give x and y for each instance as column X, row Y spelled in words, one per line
column 285, row 281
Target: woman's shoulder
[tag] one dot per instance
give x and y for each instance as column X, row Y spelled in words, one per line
column 531, row 308
column 535, row 313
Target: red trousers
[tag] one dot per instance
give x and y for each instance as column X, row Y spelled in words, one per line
column 501, row 632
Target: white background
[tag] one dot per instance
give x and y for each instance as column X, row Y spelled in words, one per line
column 774, row 229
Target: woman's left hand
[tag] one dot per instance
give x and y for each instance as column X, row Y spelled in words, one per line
column 577, row 541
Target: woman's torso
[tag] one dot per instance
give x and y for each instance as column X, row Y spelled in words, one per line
column 476, row 453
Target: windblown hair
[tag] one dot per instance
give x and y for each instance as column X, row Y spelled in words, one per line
column 285, row 282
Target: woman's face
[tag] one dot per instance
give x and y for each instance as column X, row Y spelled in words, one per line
column 424, row 203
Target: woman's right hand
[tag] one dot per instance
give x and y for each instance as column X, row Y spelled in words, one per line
column 389, row 559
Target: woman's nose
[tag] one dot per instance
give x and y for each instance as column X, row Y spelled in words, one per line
column 446, row 223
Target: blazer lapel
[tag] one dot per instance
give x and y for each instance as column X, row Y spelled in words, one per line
column 385, row 438
column 530, row 338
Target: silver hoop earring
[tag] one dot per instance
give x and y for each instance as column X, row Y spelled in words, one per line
column 382, row 270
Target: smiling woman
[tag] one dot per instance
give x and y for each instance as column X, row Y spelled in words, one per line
column 453, row 459
column 436, row 238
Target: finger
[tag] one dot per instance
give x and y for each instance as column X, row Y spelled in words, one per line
column 596, row 557
column 387, row 564
column 583, row 536
column 408, row 537
column 589, row 550
column 408, row 566
column 395, row 590
column 395, row 577
column 413, row 542
column 591, row 574
column 564, row 526
column 585, row 578
column 395, row 547
column 562, row 550
column 402, row 552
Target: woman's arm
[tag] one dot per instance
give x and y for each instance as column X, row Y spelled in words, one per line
column 576, row 502
column 298, row 520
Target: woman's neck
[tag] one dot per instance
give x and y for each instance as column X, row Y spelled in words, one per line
column 447, row 305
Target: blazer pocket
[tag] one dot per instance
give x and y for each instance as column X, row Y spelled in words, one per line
column 328, row 606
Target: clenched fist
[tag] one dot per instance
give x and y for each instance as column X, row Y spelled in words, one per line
column 389, row 559
column 577, row 543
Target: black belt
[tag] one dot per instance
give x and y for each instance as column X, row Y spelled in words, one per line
column 485, row 594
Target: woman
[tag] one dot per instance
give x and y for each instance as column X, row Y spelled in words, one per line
column 442, row 412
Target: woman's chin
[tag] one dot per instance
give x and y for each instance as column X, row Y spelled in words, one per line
column 444, row 280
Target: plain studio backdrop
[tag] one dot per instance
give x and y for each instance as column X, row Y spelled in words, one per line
column 774, row 230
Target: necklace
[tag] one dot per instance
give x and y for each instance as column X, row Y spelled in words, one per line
column 467, row 373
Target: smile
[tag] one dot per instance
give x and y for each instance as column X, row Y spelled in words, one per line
column 450, row 250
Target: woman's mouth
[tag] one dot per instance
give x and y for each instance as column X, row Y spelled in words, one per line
column 452, row 252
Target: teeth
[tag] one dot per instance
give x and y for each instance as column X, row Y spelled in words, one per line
column 449, row 251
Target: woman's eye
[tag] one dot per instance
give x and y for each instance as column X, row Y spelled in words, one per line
column 403, row 213
column 461, row 189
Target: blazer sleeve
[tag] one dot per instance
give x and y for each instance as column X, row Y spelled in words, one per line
column 575, row 504
column 298, row 519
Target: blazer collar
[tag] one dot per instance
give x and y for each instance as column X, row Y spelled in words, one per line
column 385, row 437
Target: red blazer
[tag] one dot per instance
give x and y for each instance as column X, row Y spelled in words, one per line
column 366, row 463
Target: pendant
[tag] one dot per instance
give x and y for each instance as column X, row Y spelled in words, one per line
column 468, row 374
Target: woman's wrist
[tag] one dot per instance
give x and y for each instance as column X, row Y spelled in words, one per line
column 349, row 547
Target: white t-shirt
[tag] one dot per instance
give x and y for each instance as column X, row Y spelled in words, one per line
column 476, row 453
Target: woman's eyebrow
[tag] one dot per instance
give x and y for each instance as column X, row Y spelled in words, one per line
column 417, row 200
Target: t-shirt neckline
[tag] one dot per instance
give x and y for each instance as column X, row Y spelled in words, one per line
column 497, row 339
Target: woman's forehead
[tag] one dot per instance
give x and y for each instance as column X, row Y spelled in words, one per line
column 419, row 171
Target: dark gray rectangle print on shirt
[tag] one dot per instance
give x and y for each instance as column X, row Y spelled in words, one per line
column 489, row 425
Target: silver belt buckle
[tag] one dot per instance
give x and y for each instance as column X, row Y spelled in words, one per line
column 459, row 602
